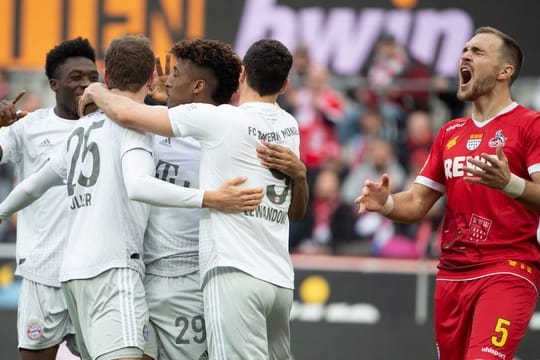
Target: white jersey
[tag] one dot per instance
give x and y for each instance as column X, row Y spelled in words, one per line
column 106, row 229
column 171, row 242
column 41, row 227
column 257, row 241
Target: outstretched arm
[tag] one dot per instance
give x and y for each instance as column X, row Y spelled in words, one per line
column 141, row 185
column 29, row 190
column 406, row 206
column 283, row 159
column 127, row 112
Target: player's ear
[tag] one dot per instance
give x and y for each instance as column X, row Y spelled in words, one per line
column 284, row 86
column 506, row 72
column 243, row 74
column 106, row 78
column 198, row 86
column 53, row 84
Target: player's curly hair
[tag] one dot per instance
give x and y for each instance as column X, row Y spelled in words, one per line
column 267, row 64
column 78, row 47
column 217, row 56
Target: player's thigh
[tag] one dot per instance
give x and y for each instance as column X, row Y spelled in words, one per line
column 501, row 319
column 112, row 313
column 454, row 309
column 277, row 325
column 176, row 310
column 235, row 305
column 42, row 316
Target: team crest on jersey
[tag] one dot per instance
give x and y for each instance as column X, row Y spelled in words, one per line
column 452, row 142
column 33, row 330
column 474, row 141
column 497, row 139
column 479, row 228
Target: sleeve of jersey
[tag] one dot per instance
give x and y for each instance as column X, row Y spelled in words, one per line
column 532, row 147
column 29, row 190
column 10, row 141
column 138, row 169
column 432, row 173
column 199, row 121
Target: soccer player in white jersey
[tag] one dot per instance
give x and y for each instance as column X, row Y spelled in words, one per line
column 208, row 73
column 42, row 318
column 104, row 167
column 245, row 266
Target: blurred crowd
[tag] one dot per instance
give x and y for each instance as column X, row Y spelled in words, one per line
column 352, row 129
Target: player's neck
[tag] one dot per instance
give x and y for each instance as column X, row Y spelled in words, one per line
column 247, row 94
column 487, row 106
column 135, row 96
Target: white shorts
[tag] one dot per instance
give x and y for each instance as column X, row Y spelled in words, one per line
column 176, row 310
column 109, row 314
column 42, row 316
column 246, row 318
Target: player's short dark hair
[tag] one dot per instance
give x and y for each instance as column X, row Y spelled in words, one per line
column 216, row 56
column 510, row 50
column 77, row 47
column 267, row 63
column 129, row 62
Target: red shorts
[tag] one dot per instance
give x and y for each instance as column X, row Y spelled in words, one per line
column 484, row 318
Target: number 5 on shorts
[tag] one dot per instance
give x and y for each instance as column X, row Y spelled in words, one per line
column 502, row 329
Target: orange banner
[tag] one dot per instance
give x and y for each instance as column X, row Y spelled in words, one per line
column 30, row 28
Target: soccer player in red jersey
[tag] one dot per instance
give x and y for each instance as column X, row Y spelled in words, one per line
column 488, row 164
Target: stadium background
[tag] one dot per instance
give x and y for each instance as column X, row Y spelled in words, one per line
column 345, row 307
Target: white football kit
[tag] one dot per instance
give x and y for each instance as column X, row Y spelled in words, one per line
column 171, row 256
column 253, row 242
column 42, row 317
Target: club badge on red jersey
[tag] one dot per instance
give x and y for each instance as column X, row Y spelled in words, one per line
column 474, row 141
column 497, row 139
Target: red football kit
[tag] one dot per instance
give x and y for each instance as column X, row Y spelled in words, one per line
column 489, row 269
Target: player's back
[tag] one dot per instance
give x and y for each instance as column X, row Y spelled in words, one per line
column 105, row 228
column 255, row 241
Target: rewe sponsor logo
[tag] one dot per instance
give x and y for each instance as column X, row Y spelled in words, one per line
column 343, row 38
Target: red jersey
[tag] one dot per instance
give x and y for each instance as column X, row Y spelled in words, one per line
column 483, row 226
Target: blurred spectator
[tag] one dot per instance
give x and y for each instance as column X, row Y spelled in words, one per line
column 371, row 126
column 318, row 108
column 418, row 136
column 328, row 221
column 380, row 160
column 446, row 90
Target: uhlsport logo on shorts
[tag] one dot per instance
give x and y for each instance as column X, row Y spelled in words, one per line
column 33, row 330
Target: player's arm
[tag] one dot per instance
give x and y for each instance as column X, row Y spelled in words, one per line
column 141, row 185
column 407, row 206
column 127, row 112
column 29, row 190
column 283, row 159
column 494, row 172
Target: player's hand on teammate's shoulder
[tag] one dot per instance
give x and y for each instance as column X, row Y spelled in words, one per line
column 281, row 158
column 8, row 112
column 86, row 103
column 158, row 89
column 232, row 198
